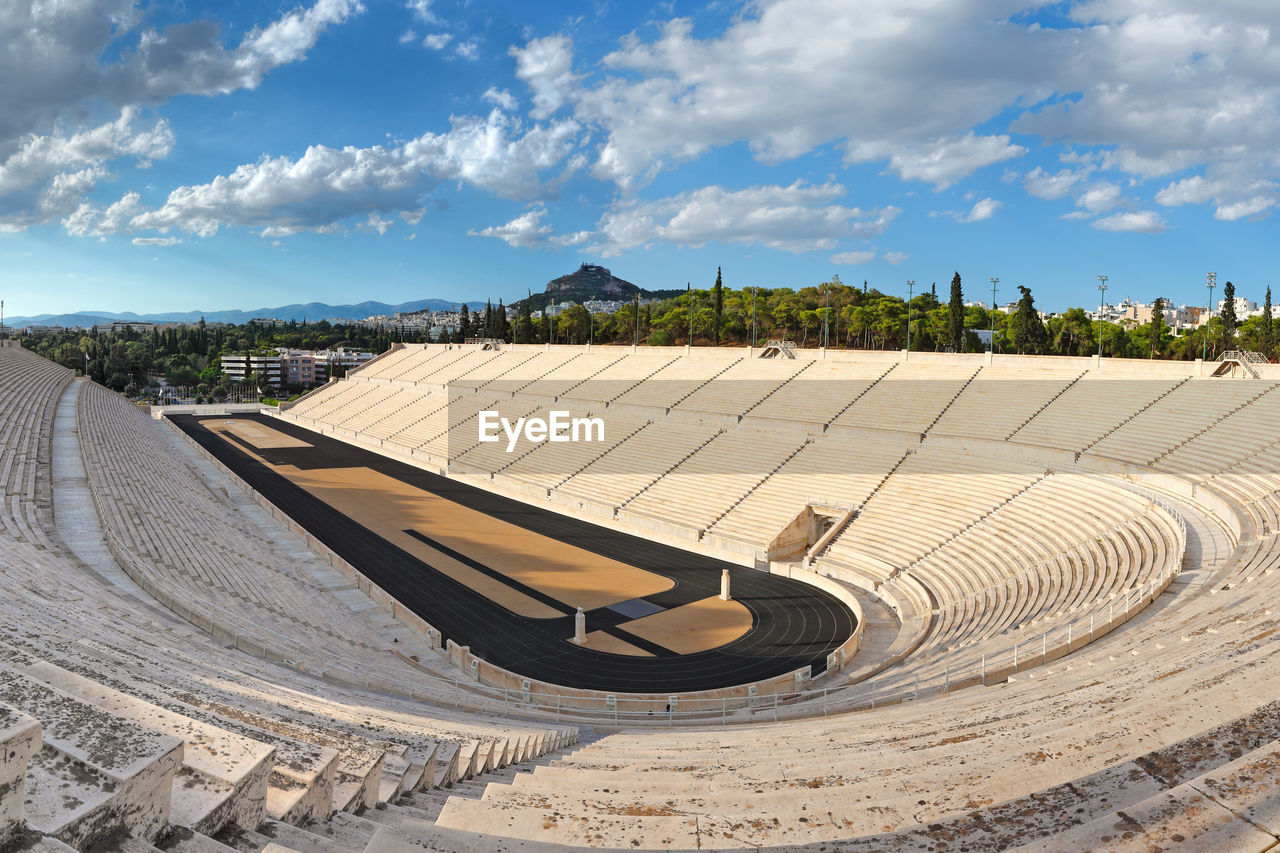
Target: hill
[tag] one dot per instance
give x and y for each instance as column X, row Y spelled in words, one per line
column 589, row 281
column 309, row 311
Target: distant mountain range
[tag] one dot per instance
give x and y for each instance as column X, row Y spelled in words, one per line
column 310, row 311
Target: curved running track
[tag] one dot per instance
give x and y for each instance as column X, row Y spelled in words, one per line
column 793, row 624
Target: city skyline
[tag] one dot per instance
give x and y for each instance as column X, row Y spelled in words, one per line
column 199, row 158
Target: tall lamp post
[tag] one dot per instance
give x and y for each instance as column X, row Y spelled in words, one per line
column 991, row 345
column 911, row 286
column 1210, row 281
column 1102, row 301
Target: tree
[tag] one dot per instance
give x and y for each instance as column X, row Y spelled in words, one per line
column 1266, row 342
column 1027, row 329
column 717, row 307
column 1157, row 329
column 955, row 315
column 526, row 322
column 1229, row 321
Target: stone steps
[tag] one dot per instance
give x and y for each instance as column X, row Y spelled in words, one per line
column 97, row 773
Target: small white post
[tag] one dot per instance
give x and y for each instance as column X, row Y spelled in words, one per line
column 580, row 627
column 724, row 585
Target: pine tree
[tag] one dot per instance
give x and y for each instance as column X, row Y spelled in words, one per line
column 1156, row 328
column 1265, row 333
column 955, row 314
column 1229, row 321
column 717, row 306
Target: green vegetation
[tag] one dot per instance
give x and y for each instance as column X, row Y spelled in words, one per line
column 846, row 316
column 129, row 360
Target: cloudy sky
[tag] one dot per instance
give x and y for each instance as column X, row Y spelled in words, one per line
column 215, row 155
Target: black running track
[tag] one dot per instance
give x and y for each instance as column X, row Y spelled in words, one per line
column 793, row 624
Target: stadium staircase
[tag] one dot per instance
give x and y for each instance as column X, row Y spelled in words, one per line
column 957, row 533
column 545, row 373
column 950, row 402
column 669, row 469
column 1047, row 404
column 568, row 391
column 595, row 459
column 857, row 397
column 700, row 386
column 1133, row 415
column 1225, row 415
column 759, row 483
column 747, row 411
column 814, row 557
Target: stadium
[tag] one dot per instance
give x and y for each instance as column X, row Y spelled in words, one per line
column 786, row 599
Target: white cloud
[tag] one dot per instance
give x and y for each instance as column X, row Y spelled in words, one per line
column 326, row 185
column 1243, row 209
column 500, row 98
column 983, row 209
column 156, row 241
column 792, row 218
column 853, row 257
column 408, row 37
column 468, row 49
column 1100, row 198
column 378, row 223
column 1042, row 184
column 46, row 177
column 545, row 67
column 421, row 10
column 1139, row 88
column 795, row 218
column 1235, row 197
column 944, row 161
column 437, row 41
column 1140, row 221
column 896, row 258
column 86, row 52
column 525, row 231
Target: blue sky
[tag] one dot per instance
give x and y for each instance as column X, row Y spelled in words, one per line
column 211, row 155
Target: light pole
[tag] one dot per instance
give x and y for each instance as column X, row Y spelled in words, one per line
column 1102, row 301
column 911, row 286
column 1210, row 281
column 991, row 345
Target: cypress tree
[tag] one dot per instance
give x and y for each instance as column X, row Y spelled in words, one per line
column 1029, row 334
column 464, row 323
column 526, row 321
column 955, row 314
column 1229, row 320
column 504, row 325
column 1265, row 333
column 1156, row 328
column 717, row 294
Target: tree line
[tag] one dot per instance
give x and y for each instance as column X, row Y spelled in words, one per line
column 844, row 316
column 126, row 359
column 831, row 313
